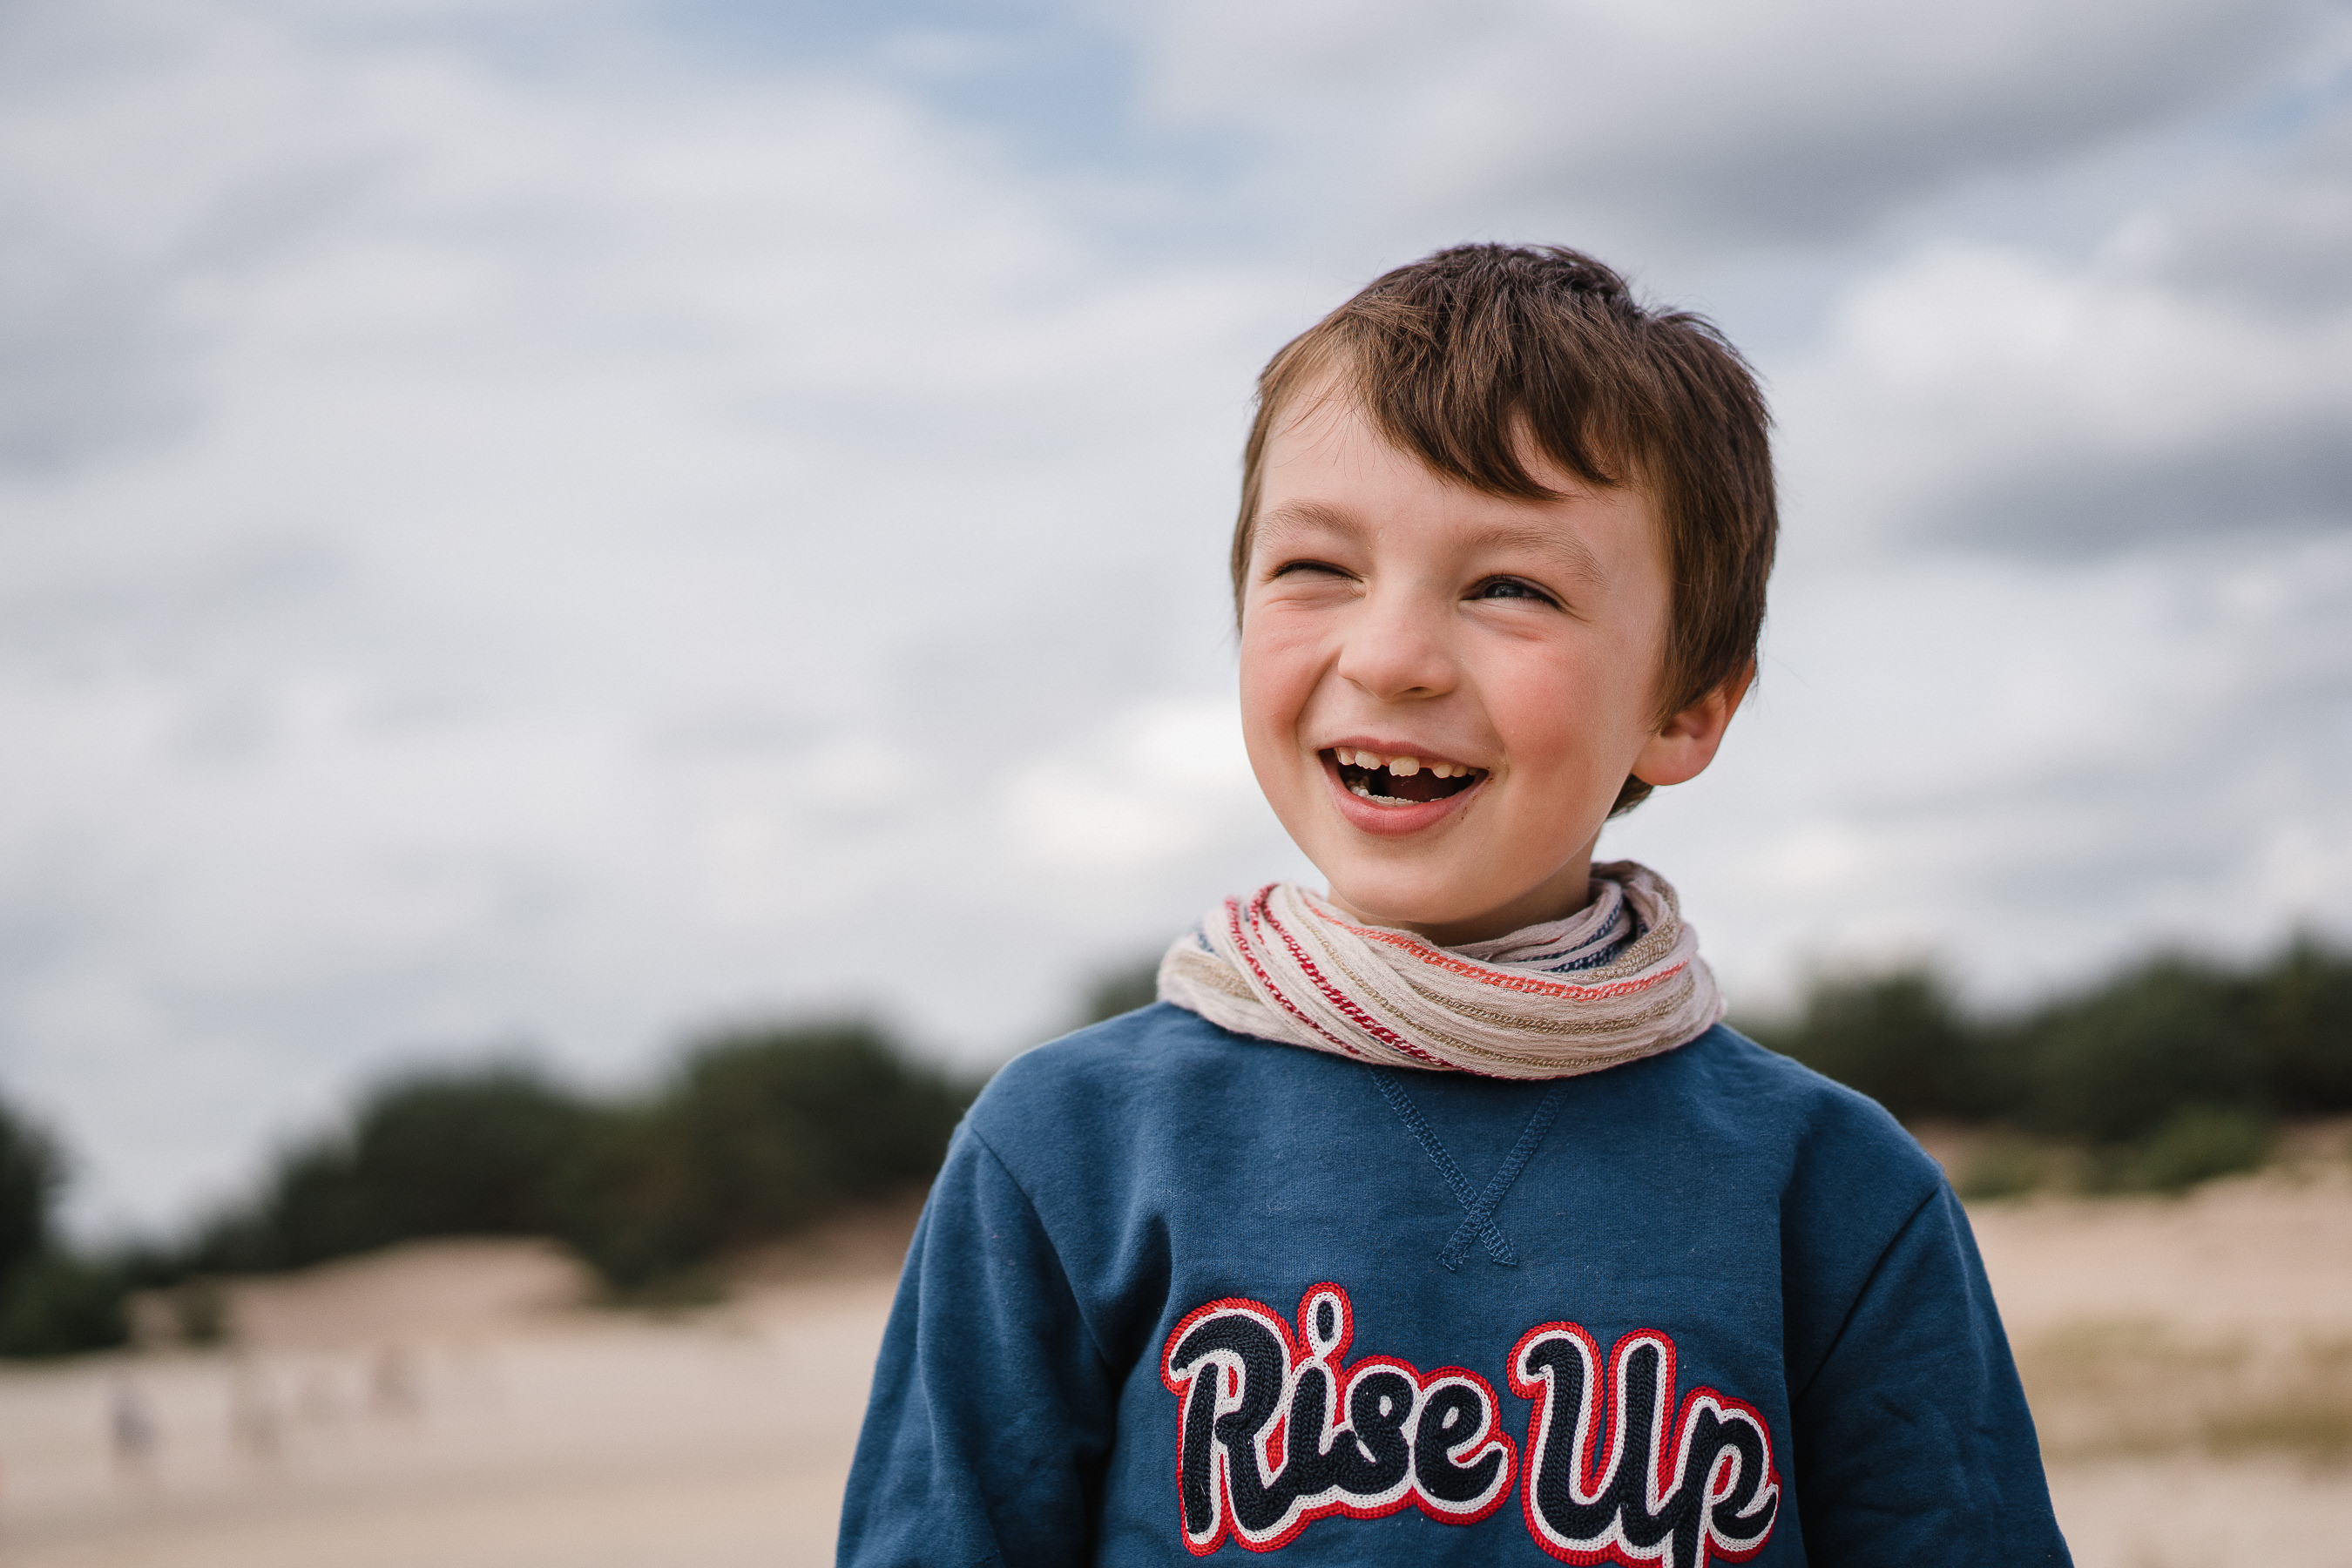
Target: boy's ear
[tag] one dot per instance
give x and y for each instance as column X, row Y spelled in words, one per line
column 1686, row 742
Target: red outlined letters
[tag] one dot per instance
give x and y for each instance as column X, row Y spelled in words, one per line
column 1618, row 1472
column 1278, row 1429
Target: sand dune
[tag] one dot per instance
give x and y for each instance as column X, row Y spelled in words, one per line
column 2190, row 1362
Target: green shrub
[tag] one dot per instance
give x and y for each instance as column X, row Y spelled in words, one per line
column 2301, row 1014
column 482, row 1151
column 758, row 1133
column 2004, row 1166
column 2113, row 1064
column 629, row 1211
column 30, row 1174
column 761, row 1133
column 59, row 1305
column 2113, row 1068
column 2195, row 1143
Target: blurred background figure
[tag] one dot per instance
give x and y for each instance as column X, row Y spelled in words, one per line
column 253, row 1423
column 132, row 1432
column 392, row 1382
column 318, row 1403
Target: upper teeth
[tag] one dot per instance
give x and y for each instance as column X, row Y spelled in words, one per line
column 1400, row 767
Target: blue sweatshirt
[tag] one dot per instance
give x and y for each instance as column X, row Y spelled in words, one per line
column 1179, row 1292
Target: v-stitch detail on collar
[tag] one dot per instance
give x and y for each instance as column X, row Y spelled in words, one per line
column 1479, row 1219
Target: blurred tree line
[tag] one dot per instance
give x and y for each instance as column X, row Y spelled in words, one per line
column 2168, row 1073
column 754, row 1135
column 2165, row 1074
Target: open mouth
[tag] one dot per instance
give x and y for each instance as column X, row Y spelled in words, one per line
column 1400, row 781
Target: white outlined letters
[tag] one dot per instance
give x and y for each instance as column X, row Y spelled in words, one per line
column 1675, row 1493
column 1277, row 1429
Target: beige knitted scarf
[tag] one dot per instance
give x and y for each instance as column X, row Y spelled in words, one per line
column 1620, row 979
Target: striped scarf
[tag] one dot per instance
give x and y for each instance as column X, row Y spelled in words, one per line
column 1620, row 979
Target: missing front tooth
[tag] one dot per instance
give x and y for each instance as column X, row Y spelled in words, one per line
column 1385, row 788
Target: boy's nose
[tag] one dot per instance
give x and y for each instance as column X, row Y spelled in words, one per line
column 1397, row 651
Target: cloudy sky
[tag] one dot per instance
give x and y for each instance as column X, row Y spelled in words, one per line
column 550, row 526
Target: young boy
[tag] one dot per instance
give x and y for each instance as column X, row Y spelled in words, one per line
column 1436, row 1218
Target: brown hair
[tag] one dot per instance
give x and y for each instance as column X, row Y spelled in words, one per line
column 1464, row 355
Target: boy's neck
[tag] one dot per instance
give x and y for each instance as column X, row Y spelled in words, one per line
column 1556, row 897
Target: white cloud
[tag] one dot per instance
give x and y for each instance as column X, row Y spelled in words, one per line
column 1683, row 125
column 2004, row 397
column 1163, row 781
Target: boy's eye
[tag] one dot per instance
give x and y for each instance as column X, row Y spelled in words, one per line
column 1510, row 588
column 1289, row 568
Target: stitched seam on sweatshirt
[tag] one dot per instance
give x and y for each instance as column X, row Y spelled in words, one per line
column 1506, row 1176
column 1479, row 1208
column 1877, row 1266
column 1075, row 1305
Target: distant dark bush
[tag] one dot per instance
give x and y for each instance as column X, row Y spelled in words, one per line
column 2301, row 1010
column 2117, row 1062
column 485, row 1151
column 2195, row 1143
column 2004, row 1166
column 59, row 1304
column 761, row 1133
column 2168, row 1073
column 52, row 1303
column 758, row 1133
column 30, row 1174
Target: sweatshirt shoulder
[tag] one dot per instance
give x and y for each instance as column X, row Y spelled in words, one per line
column 1734, row 1078
column 1112, row 1072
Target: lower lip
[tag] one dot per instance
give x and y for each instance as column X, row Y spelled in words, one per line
column 1392, row 821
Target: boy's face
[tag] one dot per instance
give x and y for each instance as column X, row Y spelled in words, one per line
column 1509, row 648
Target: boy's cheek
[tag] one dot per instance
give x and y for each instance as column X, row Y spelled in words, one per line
column 1276, row 641
column 1277, row 680
column 1285, row 776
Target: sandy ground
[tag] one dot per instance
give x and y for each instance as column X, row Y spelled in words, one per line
column 492, row 1432
column 2190, row 1362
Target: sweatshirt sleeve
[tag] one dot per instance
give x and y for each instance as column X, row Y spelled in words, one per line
column 993, row 1411
column 1914, row 1444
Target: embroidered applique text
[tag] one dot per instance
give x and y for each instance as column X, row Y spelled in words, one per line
column 1278, row 1429
column 1616, row 1472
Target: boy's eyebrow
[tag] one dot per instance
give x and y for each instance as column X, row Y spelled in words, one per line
column 1300, row 514
column 1574, row 555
